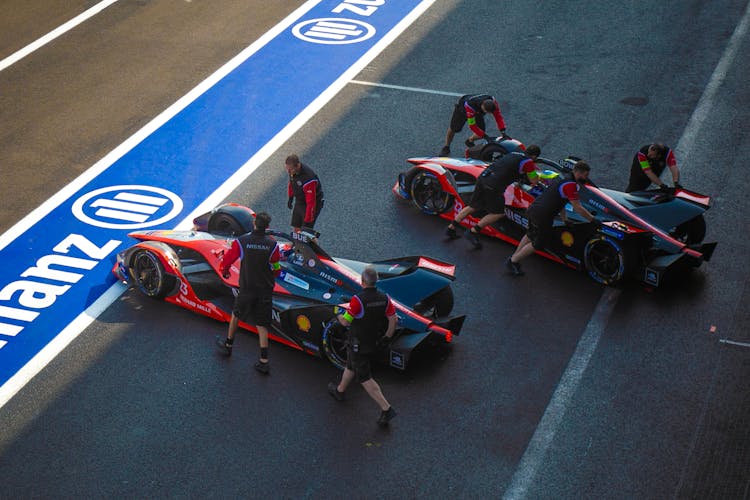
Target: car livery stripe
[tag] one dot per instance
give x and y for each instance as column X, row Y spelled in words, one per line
column 55, row 278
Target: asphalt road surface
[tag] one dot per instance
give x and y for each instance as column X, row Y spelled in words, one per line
column 556, row 387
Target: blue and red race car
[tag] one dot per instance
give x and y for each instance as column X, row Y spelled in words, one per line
column 182, row 267
column 646, row 235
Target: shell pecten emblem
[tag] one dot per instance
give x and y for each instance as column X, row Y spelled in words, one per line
column 303, row 323
column 567, row 238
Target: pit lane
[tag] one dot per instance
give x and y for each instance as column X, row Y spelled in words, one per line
column 140, row 405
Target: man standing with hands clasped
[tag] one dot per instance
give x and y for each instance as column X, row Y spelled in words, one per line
column 259, row 266
column 370, row 313
column 305, row 193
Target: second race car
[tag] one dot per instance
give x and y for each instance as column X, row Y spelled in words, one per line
column 182, row 267
column 645, row 235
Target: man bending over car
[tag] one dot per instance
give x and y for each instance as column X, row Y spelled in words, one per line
column 471, row 109
column 541, row 214
column 489, row 192
column 648, row 164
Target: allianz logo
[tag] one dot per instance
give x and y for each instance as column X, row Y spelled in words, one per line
column 332, row 31
column 52, row 275
column 127, row 207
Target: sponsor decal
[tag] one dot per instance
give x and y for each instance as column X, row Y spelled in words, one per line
column 293, row 280
column 333, row 31
column 599, row 205
column 567, row 238
column 445, row 269
column 517, row 218
column 573, row 259
column 610, row 232
column 303, row 323
column 127, row 207
column 275, row 316
column 397, row 360
column 310, row 346
column 45, row 283
column 328, row 277
column 651, row 277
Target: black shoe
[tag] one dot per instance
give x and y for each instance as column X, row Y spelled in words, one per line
column 451, row 233
column 473, row 237
column 263, row 368
column 445, row 151
column 333, row 390
column 386, row 416
column 224, row 347
column 513, row 267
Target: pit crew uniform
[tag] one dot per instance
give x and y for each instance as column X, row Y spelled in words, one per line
column 259, row 266
column 468, row 109
column 639, row 181
column 491, row 184
column 307, row 191
column 368, row 313
column 541, row 214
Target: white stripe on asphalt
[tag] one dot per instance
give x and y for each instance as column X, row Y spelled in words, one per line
column 60, row 30
column 409, row 89
column 545, row 432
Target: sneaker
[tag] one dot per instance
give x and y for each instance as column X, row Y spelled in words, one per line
column 263, row 368
column 513, row 267
column 451, row 233
column 473, row 238
column 333, row 390
column 224, row 348
column 445, row 151
column 386, row 416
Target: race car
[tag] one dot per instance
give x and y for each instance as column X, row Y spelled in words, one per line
column 183, row 268
column 645, row 235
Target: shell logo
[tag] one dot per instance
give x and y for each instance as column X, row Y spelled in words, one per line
column 567, row 238
column 303, row 323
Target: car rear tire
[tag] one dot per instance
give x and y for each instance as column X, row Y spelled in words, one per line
column 334, row 339
column 692, row 231
column 149, row 275
column 605, row 260
column 438, row 305
column 427, row 194
column 222, row 224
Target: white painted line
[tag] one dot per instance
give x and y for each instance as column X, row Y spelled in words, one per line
column 566, row 388
column 409, row 89
column 706, row 101
column 60, row 30
column 38, row 362
column 734, row 342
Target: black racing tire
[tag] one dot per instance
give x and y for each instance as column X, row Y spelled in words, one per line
column 692, row 231
column 492, row 152
column 427, row 194
column 149, row 275
column 222, row 224
column 334, row 338
column 605, row 260
column 437, row 305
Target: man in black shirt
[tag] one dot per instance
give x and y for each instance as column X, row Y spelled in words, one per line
column 305, row 193
column 490, row 188
column 370, row 313
column 259, row 266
